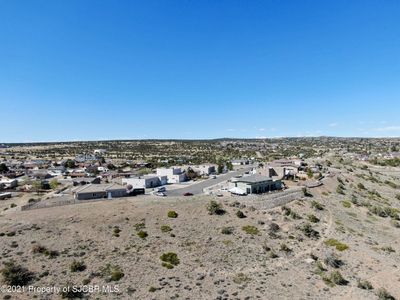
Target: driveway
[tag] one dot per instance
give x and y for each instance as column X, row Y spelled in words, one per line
column 197, row 188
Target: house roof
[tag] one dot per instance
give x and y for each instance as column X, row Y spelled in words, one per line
column 98, row 188
column 254, row 178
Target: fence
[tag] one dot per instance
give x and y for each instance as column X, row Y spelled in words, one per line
column 273, row 200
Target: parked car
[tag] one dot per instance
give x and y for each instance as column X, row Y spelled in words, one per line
column 219, row 195
column 160, row 194
column 161, row 189
column 187, row 194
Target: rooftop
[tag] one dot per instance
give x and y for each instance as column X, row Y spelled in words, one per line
column 254, row 178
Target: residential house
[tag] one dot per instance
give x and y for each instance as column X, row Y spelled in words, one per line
column 174, row 174
column 99, row 191
column 254, row 184
column 146, row 181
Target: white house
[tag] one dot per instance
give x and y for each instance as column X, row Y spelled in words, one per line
column 174, row 174
column 204, row 169
column 145, row 182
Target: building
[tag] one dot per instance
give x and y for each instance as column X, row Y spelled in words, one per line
column 8, row 183
column 99, row 191
column 254, row 184
column 146, row 181
column 99, row 151
column 174, row 174
column 239, row 162
column 4, row 196
column 205, row 169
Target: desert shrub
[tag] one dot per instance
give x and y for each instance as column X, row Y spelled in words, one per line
column 16, row 275
column 240, row 214
column 364, row 284
column 388, row 249
column 333, row 261
column 383, row 294
column 227, row 230
column 12, row 205
column 116, row 231
column 152, row 289
column 272, row 254
column 285, row 248
column 142, row 234
column 312, row 218
column 361, row 186
column 308, row 231
column 335, row 243
column 37, row 248
column 337, row 278
column 273, row 227
column 391, row 184
column 346, row 204
column 112, row 272
column 172, row 214
column 249, row 229
column 77, row 266
column 140, row 226
column 289, row 212
column 241, row 278
column 68, row 292
column 395, row 223
column 398, row 196
column 340, row 189
column 316, row 205
column 215, row 208
column 166, row 228
column 169, row 260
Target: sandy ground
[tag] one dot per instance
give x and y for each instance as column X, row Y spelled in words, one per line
column 212, row 265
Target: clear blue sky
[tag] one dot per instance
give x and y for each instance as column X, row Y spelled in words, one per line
column 87, row 70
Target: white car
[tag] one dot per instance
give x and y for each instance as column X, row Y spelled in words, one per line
column 160, row 194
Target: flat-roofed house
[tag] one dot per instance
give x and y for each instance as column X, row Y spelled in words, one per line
column 145, row 182
column 99, row 191
column 174, row 174
column 255, row 184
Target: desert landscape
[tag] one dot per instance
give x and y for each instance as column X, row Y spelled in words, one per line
column 338, row 241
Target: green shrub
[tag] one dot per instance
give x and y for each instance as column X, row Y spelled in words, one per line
column 335, row 243
column 361, row 186
column 169, row 260
column 308, row 231
column 316, row 205
column 249, row 229
column 16, row 275
column 166, row 228
column 172, row 214
column 346, row 204
column 142, row 234
column 285, row 248
column 240, row 214
column 365, row 285
column 215, row 208
column 77, row 266
column 337, row 278
column 68, row 292
column 383, row 294
column 313, row 218
column 140, row 226
column 227, row 230
column 112, row 272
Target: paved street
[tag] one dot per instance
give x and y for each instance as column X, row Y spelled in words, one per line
column 197, row 188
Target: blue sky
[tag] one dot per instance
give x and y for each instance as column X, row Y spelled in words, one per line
column 88, row 70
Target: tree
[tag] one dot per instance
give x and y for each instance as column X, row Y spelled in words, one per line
column 229, row 166
column 191, row 174
column 309, row 173
column 54, row 184
column 220, row 168
column 37, row 185
column 3, row 168
column 70, row 164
